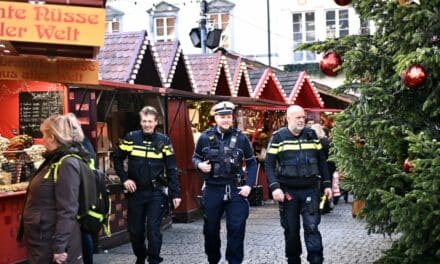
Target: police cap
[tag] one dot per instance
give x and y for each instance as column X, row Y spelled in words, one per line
column 223, row 108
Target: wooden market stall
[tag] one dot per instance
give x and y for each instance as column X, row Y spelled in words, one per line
column 261, row 121
column 25, row 104
column 35, row 69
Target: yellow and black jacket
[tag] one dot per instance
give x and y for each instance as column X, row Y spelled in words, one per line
column 151, row 161
column 296, row 161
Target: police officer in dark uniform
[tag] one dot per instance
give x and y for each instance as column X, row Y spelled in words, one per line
column 151, row 169
column 219, row 154
column 295, row 166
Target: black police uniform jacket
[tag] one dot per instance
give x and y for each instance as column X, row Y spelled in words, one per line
column 296, row 161
column 151, row 161
column 226, row 159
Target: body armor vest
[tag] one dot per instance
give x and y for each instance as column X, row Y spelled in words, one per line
column 298, row 157
column 225, row 158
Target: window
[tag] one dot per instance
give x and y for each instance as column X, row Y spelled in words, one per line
column 303, row 32
column 112, row 25
column 365, row 27
column 164, row 28
column 221, row 21
column 336, row 23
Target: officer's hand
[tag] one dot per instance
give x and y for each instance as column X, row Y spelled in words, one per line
column 130, row 186
column 278, row 195
column 204, row 166
column 244, row 190
column 328, row 192
column 176, row 202
column 60, row 257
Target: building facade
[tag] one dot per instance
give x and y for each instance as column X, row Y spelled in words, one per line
column 264, row 30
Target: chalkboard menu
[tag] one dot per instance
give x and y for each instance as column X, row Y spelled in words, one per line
column 35, row 107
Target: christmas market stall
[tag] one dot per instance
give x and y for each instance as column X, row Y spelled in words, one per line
column 178, row 78
column 25, row 104
column 34, row 69
column 260, row 121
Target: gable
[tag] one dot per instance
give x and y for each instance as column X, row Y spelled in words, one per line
column 305, row 94
column 220, row 6
column 163, row 7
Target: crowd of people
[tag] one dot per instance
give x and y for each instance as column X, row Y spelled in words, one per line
column 295, row 159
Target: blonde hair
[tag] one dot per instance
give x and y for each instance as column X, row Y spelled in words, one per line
column 65, row 128
column 319, row 131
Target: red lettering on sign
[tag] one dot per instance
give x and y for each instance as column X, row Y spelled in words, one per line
column 52, row 32
column 11, row 31
column 43, row 13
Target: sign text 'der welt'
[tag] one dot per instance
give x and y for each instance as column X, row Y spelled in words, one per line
column 52, row 23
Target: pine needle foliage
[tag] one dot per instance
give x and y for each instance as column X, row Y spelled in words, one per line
column 390, row 123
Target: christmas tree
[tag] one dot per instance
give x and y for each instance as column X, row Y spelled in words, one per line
column 387, row 143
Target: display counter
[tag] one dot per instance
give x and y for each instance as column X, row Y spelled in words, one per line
column 11, row 206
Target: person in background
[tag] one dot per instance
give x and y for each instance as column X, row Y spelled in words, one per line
column 219, row 155
column 295, row 163
column 196, row 133
column 90, row 242
column 326, row 144
column 309, row 122
column 151, row 170
column 52, row 233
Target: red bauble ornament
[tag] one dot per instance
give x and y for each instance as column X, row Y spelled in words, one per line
column 342, row 2
column 407, row 165
column 330, row 64
column 414, row 76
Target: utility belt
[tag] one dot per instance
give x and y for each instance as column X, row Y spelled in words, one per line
column 237, row 179
column 151, row 186
column 300, row 182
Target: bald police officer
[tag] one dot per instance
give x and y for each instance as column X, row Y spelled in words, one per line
column 295, row 165
column 219, row 155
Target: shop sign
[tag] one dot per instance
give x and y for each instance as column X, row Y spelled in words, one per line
column 52, row 24
column 60, row 70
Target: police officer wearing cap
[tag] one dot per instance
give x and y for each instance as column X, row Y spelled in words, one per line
column 295, row 166
column 220, row 153
column 151, row 169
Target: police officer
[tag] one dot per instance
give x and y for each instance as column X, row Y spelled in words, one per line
column 151, row 168
column 219, row 154
column 295, row 166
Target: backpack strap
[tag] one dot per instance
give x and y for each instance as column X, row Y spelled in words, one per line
column 54, row 167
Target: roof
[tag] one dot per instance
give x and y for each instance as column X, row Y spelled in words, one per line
column 300, row 89
column 128, row 57
column 211, row 74
column 241, row 84
column 266, row 85
column 331, row 99
column 175, row 65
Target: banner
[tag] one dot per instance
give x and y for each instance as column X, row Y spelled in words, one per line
column 60, row 70
column 58, row 24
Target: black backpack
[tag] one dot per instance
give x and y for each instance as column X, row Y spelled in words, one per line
column 94, row 201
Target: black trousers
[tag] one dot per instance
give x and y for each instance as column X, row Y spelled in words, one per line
column 303, row 203
column 147, row 205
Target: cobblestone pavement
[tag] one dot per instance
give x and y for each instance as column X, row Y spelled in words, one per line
column 345, row 240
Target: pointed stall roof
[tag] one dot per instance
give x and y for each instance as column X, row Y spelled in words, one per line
column 128, row 57
column 175, row 65
column 241, row 83
column 332, row 100
column 300, row 89
column 211, row 74
column 266, row 85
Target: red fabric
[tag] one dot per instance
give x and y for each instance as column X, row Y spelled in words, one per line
column 179, row 127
